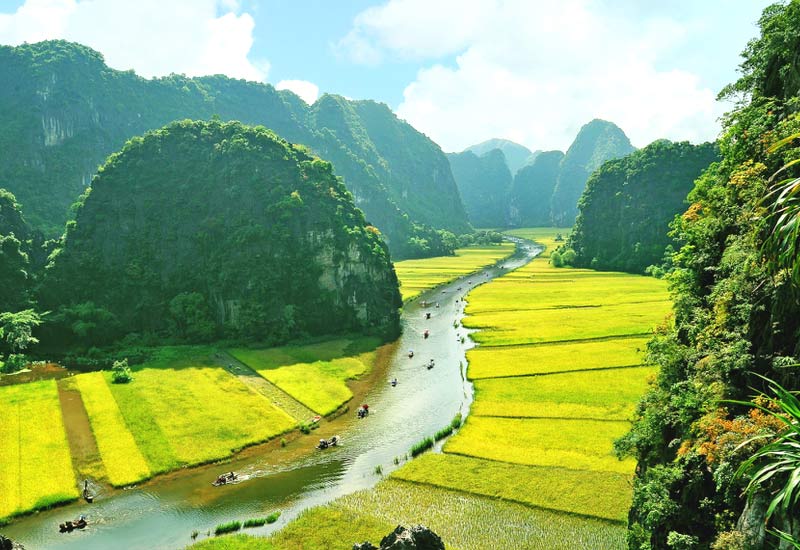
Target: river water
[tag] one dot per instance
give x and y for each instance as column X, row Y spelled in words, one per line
column 166, row 511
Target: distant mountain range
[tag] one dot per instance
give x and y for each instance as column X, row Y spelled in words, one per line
column 544, row 188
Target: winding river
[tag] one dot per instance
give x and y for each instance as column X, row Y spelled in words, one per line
column 166, row 511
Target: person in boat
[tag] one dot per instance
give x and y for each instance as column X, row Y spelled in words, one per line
column 426, row 333
column 431, row 364
column 428, row 315
column 393, row 382
column 411, row 353
column 323, row 444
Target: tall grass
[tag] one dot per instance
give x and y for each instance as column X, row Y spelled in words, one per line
column 228, row 527
column 421, row 446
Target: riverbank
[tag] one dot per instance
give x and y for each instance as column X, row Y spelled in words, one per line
column 556, row 376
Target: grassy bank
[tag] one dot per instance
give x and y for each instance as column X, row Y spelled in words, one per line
column 417, row 276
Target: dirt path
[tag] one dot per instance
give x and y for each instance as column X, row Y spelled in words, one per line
column 277, row 396
column 85, row 456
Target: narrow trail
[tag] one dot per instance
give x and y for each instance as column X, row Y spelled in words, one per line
column 86, row 459
column 261, row 385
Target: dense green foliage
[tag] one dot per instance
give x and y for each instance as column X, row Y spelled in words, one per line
column 628, row 204
column 67, row 111
column 516, row 155
column 484, row 183
column 205, row 229
column 532, row 189
column 597, row 142
column 737, row 318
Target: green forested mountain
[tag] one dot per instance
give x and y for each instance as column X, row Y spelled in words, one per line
column 532, row 189
column 628, row 204
column 65, row 111
column 15, row 277
column 204, row 229
column 737, row 316
column 597, row 142
column 484, row 183
column 516, row 155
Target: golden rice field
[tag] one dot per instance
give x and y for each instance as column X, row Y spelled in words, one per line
column 36, row 466
column 417, row 276
column 156, row 423
column 316, row 375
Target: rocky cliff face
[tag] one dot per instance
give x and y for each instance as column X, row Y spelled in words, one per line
column 67, row 111
column 484, row 183
column 263, row 232
column 597, row 142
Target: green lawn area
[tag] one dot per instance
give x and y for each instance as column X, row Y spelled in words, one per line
column 35, row 464
column 315, row 375
column 417, row 276
column 491, row 362
column 605, row 394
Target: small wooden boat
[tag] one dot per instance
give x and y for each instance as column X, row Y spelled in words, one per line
column 226, row 479
column 315, row 419
column 327, row 443
column 69, row 526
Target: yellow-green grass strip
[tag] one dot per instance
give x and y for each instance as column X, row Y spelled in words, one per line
column 609, row 394
column 553, row 325
column 121, row 456
column 320, row 385
column 491, row 362
column 605, row 495
column 417, row 276
column 204, row 412
column 35, row 465
column 577, row 444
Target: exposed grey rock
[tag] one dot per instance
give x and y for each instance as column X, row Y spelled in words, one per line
column 417, row 537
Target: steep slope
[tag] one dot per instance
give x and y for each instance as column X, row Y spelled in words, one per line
column 14, row 258
column 532, row 189
column 628, row 204
column 67, row 111
column 597, row 142
column 484, row 183
column 516, row 155
column 736, row 291
column 227, row 227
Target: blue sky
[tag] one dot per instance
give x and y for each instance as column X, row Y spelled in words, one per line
column 461, row 71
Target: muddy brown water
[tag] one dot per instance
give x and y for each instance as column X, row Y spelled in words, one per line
column 164, row 512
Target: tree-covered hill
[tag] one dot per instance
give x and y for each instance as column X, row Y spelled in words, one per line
column 208, row 229
column 628, row 204
column 66, row 111
column 484, row 183
column 15, row 244
column 516, row 155
column 532, row 189
column 736, row 288
column 597, row 142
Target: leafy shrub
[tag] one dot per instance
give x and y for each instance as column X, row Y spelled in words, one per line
column 444, row 432
column 555, row 259
column 422, row 446
column 568, row 257
column 121, row 372
column 13, row 363
column 229, row 527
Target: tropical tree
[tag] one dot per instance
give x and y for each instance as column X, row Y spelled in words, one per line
column 782, row 246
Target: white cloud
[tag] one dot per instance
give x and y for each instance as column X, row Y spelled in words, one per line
column 308, row 91
column 153, row 37
column 535, row 72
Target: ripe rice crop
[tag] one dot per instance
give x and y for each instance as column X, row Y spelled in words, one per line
column 603, row 394
column 579, row 444
column 489, row 362
column 417, row 276
column 35, row 466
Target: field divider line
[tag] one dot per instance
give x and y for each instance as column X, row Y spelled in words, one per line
column 474, row 457
column 556, row 342
column 515, row 501
column 561, row 418
column 566, row 306
column 535, row 374
column 278, row 397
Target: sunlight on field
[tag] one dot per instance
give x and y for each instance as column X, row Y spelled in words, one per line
column 605, row 495
column 490, row 362
column 417, row 276
column 320, row 385
column 123, row 461
column 36, row 467
column 608, row 394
